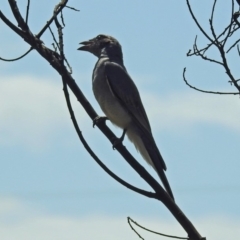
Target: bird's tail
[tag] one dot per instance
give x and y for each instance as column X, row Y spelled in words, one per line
column 149, row 151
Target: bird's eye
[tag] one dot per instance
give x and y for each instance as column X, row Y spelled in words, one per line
column 100, row 37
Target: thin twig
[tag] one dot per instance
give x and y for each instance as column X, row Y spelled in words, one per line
column 211, row 43
column 18, row 58
column 11, row 25
column 219, row 44
column 230, row 48
column 61, row 5
column 62, row 19
column 148, row 230
column 211, row 25
column 72, row 8
column 230, row 33
column 226, row 67
column 27, row 12
column 60, row 34
column 213, row 9
column 201, row 54
column 54, row 39
column 197, row 23
column 204, row 91
column 21, row 23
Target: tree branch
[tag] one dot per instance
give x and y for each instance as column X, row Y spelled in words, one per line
column 57, row 62
column 205, row 91
column 219, row 42
column 18, row 58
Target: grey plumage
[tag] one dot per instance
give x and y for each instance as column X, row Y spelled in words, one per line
column 119, row 99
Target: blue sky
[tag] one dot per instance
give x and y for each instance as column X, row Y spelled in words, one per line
column 49, row 185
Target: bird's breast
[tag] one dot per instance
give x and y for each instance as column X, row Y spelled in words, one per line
column 107, row 100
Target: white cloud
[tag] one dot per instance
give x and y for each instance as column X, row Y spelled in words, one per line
column 32, row 110
column 9, row 205
column 184, row 110
column 31, row 224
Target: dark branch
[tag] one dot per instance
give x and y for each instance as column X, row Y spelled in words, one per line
column 211, row 25
column 27, row 12
column 230, row 32
column 57, row 62
column 72, row 8
column 18, row 58
column 201, row 53
column 21, row 23
column 230, row 48
column 60, row 6
column 204, row 91
column 213, row 9
column 197, row 23
column 11, row 25
column 151, row 231
column 219, row 42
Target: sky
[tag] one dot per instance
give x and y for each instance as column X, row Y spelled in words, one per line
column 50, row 188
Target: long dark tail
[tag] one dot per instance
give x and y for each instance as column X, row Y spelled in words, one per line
column 146, row 145
column 158, row 162
column 165, row 182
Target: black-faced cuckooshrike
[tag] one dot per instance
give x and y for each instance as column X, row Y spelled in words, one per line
column 119, row 99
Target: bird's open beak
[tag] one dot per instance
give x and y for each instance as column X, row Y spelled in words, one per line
column 86, row 45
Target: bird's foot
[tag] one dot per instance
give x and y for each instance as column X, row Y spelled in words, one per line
column 99, row 119
column 117, row 141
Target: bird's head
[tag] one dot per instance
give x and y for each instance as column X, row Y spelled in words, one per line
column 103, row 45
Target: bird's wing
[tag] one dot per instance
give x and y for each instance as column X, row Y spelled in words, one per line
column 126, row 91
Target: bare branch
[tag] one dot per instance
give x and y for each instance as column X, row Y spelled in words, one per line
column 235, row 18
column 211, row 25
column 230, row 25
column 21, row 23
column 238, row 50
column 201, row 53
column 204, row 91
column 219, row 42
column 148, row 230
column 27, row 12
column 18, row 58
column 11, row 25
column 57, row 62
column 211, row 44
column 213, row 9
column 72, row 8
column 226, row 67
column 230, row 48
column 58, row 9
column 197, row 23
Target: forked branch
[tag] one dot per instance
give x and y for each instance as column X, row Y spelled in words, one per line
column 57, row 60
column 223, row 42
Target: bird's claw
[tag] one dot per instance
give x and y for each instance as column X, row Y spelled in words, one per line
column 117, row 141
column 99, row 119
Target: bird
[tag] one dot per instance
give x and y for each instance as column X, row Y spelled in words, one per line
column 119, row 99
